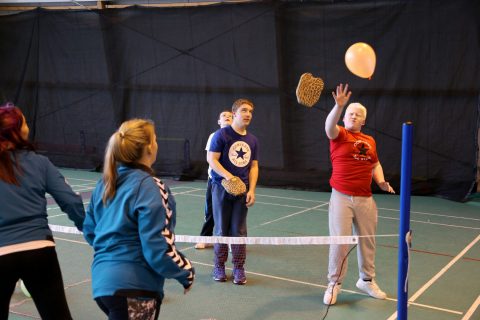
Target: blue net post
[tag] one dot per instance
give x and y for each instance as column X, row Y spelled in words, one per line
column 404, row 233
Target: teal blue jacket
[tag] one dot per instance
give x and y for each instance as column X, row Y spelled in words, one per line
column 132, row 237
column 23, row 207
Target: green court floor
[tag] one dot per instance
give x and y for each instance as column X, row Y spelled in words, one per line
column 288, row 282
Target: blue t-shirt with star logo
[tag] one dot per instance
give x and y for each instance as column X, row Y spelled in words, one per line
column 237, row 152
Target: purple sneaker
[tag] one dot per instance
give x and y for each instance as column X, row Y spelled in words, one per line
column 218, row 274
column 239, row 276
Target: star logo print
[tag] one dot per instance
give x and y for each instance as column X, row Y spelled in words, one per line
column 240, row 153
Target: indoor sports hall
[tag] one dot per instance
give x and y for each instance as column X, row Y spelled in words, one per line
column 78, row 69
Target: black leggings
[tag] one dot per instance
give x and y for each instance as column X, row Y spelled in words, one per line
column 40, row 272
column 126, row 308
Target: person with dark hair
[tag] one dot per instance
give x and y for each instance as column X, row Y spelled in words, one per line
column 130, row 223
column 233, row 155
column 224, row 119
column 355, row 164
column 27, row 247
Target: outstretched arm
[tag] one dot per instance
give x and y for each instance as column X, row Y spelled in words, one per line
column 379, row 178
column 341, row 97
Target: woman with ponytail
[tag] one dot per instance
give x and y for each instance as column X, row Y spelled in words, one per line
column 27, row 248
column 130, row 223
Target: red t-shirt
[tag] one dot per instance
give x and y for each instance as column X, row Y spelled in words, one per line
column 353, row 157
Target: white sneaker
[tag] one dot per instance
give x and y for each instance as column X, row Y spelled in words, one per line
column 371, row 288
column 203, row 245
column 200, row 246
column 24, row 289
column 330, row 296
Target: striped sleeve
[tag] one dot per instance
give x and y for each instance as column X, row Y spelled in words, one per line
column 169, row 235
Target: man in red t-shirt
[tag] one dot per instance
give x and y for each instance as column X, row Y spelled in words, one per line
column 355, row 163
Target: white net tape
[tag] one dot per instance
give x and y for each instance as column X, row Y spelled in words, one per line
column 292, row 241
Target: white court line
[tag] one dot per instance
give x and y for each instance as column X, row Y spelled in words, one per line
column 77, row 283
column 324, row 287
column 31, row 316
column 57, row 207
column 433, row 214
column 83, row 184
column 306, row 200
column 61, row 214
column 472, row 309
column 260, row 202
column 84, row 188
column 270, row 196
column 73, row 241
column 290, row 206
column 88, row 180
column 380, row 216
column 184, row 192
column 85, row 203
column 181, row 187
column 48, row 196
column 436, row 223
column 297, row 281
column 19, row 303
column 293, row 214
column 289, row 198
column 431, row 307
column 438, row 275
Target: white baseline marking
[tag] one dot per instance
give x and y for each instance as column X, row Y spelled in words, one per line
column 472, row 309
column 323, row 286
column 184, row 192
column 387, row 209
column 296, row 281
column 289, row 198
column 73, row 241
column 432, row 214
column 270, row 196
column 436, row 223
column 87, row 180
column 180, row 187
column 287, row 205
column 266, row 203
column 293, row 214
column 306, row 200
column 61, row 214
column 84, row 184
column 438, row 275
column 85, row 189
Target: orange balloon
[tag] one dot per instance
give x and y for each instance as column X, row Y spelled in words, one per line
column 360, row 59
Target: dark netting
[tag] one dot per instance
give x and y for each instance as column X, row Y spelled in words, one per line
column 78, row 74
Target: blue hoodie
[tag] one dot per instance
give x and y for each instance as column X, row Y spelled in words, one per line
column 23, row 208
column 132, row 237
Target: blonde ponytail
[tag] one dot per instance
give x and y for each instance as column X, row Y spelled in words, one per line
column 125, row 146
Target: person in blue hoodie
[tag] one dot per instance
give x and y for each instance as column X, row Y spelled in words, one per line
column 27, row 247
column 130, row 223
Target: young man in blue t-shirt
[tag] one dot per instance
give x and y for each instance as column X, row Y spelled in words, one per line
column 233, row 152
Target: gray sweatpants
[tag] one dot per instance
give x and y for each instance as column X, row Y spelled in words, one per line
column 344, row 213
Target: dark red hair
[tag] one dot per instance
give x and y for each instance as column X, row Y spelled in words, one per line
column 11, row 121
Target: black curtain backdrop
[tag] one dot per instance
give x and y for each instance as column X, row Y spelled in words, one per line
column 78, row 74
